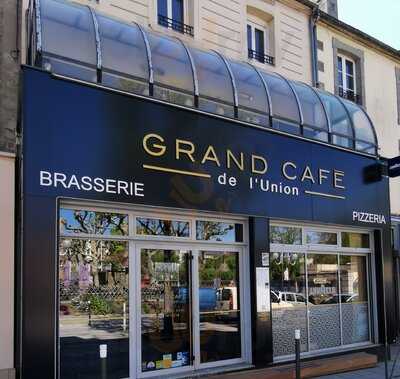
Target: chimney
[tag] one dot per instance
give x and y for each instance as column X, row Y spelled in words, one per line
column 329, row 6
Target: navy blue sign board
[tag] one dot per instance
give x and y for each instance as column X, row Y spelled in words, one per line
column 95, row 144
column 394, row 167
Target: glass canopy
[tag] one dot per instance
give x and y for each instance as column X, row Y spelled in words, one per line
column 75, row 41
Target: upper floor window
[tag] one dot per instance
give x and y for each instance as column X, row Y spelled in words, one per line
column 346, row 71
column 171, row 14
column 258, row 43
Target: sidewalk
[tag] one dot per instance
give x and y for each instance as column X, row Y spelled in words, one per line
column 377, row 372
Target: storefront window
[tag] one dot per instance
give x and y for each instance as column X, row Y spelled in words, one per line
column 323, row 296
column 219, row 231
column 288, row 301
column 74, row 222
column 357, row 240
column 321, row 238
column 354, row 298
column 187, row 300
column 285, row 235
column 94, row 307
column 158, row 227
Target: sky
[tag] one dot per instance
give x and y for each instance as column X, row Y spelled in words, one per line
column 378, row 18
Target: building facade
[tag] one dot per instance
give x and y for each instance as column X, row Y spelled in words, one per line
column 150, row 241
column 354, row 65
column 9, row 71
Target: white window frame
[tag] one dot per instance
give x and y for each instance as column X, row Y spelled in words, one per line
column 244, row 313
column 136, row 241
column 169, row 9
column 262, row 27
column 344, row 74
column 336, row 250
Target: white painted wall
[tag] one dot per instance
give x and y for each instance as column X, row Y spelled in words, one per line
column 380, row 94
column 6, row 261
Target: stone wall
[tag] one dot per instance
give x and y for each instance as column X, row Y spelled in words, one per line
column 9, row 71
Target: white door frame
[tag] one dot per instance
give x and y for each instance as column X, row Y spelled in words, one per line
column 196, row 306
column 135, row 299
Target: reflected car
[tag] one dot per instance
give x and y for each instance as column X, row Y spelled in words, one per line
column 287, row 299
column 344, row 298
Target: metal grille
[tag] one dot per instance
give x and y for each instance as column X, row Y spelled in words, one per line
column 105, row 292
column 349, row 95
column 263, row 58
column 175, row 25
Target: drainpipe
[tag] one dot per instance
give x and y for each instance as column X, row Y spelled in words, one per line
column 314, row 17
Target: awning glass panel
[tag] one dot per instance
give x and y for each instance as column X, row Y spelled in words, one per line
column 213, row 76
column 339, row 119
column 68, row 46
column 122, row 47
column 68, row 31
column 362, row 126
column 171, row 62
column 250, row 89
column 312, row 109
column 284, row 104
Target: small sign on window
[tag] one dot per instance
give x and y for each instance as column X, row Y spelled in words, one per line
column 265, row 259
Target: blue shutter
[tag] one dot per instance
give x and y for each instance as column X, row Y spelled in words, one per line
column 177, row 10
column 162, row 8
column 259, row 35
column 249, row 41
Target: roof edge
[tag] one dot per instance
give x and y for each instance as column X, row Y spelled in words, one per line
column 343, row 26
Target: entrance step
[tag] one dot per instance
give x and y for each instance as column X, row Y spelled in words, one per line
column 309, row 369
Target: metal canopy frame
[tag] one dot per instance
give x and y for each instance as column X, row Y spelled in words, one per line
column 40, row 50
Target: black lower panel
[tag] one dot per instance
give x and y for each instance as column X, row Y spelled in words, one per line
column 80, row 358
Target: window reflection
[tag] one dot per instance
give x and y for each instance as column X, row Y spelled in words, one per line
column 342, row 141
column 124, row 83
column 288, row 298
column 219, row 306
column 323, row 292
column 354, row 298
column 94, row 307
column 219, row 231
column 158, row 227
column 357, row 240
column 323, row 238
column 286, row 126
column 165, row 309
column 285, row 235
column 90, row 222
column 315, row 133
column 332, row 287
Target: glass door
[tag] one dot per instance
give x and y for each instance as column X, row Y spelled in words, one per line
column 165, row 309
column 180, row 332
column 218, row 293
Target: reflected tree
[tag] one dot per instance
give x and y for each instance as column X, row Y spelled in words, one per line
column 156, row 227
column 285, row 235
column 211, row 230
column 108, row 257
column 89, row 222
